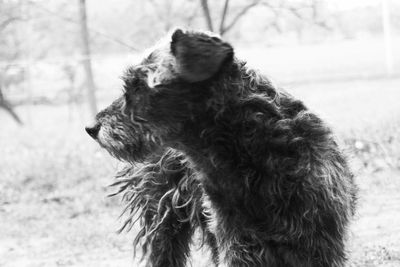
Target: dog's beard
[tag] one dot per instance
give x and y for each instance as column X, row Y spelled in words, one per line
column 133, row 147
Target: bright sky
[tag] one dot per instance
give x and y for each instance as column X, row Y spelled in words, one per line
column 350, row 4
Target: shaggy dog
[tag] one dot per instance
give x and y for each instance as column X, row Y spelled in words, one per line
column 226, row 152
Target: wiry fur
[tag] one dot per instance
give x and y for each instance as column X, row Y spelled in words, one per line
column 167, row 201
column 276, row 187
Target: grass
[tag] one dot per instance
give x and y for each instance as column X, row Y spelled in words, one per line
column 53, row 203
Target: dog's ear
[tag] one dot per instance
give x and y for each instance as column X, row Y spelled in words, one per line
column 199, row 56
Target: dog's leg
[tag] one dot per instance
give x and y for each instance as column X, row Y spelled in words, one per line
column 169, row 200
column 170, row 246
column 184, row 214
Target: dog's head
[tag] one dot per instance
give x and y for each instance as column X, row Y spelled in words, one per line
column 159, row 94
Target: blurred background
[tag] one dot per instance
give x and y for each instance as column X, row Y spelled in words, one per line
column 60, row 62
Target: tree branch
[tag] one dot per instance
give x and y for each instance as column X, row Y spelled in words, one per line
column 314, row 20
column 296, row 12
column 8, row 21
column 224, row 12
column 8, row 107
column 239, row 15
column 207, row 15
column 92, row 30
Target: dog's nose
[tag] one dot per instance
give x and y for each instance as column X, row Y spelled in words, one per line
column 93, row 130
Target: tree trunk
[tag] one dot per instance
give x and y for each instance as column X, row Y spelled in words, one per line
column 387, row 33
column 86, row 61
column 224, row 13
column 207, row 15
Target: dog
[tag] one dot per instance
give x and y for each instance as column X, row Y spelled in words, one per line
column 223, row 150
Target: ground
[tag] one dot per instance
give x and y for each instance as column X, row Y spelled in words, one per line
column 54, row 181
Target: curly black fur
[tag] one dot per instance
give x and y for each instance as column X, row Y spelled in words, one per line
column 167, row 201
column 275, row 188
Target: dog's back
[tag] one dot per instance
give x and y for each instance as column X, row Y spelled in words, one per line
column 277, row 189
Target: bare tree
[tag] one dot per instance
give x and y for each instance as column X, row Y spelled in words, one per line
column 207, row 14
column 6, row 80
column 8, row 53
column 86, row 61
column 306, row 12
column 224, row 25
